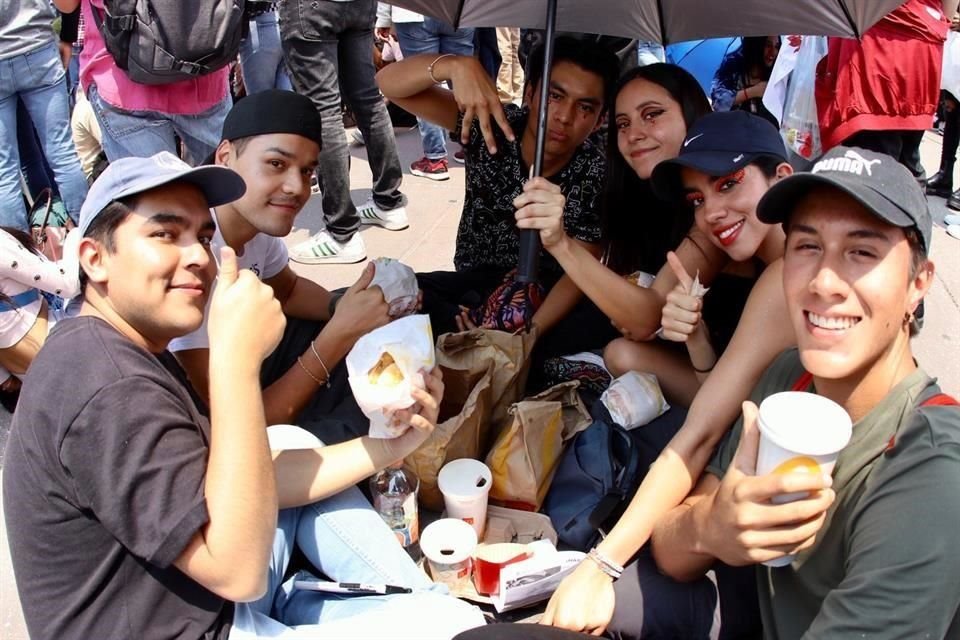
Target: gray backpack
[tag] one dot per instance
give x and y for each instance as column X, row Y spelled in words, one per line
column 164, row 41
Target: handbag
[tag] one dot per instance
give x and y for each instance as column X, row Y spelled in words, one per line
column 49, row 224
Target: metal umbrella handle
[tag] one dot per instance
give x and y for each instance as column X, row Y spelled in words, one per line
column 529, row 265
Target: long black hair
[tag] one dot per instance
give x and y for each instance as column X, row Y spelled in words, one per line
column 639, row 227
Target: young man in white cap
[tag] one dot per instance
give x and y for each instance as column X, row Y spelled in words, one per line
column 139, row 517
column 272, row 140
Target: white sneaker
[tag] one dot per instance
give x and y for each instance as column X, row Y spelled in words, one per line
column 357, row 138
column 954, row 231
column 322, row 248
column 394, row 219
column 951, row 218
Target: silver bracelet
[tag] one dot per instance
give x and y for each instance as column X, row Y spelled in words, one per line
column 435, row 61
column 606, row 565
column 313, row 347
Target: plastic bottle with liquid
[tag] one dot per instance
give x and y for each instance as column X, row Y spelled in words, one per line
column 394, row 493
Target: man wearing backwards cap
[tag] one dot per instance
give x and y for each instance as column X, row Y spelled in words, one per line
column 272, row 140
column 139, row 517
column 875, row 557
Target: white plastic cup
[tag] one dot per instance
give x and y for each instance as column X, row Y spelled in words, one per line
column 465, row 485
column 800, row 433
column 448, row 545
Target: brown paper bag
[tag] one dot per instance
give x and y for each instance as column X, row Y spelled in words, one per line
column 524, row 457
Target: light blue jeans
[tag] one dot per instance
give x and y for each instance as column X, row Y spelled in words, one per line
column 40, row 81
column 433, row 36
column 261, row 56
column 347, row 541
column 145, row 133
column 650, row 53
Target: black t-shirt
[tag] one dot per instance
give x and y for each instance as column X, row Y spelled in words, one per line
column 488, row 235
column 103, row 489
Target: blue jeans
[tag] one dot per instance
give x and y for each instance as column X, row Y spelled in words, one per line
column 38, row 79
column 261, row 56
column 328, row 47
column 649, row 53
column 346, row 539
column 433, row 36
column 145, row 133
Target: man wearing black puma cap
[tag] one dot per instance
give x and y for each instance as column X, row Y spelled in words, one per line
column 272, row 139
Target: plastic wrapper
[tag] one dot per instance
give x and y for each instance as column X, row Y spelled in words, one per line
column 399, row 285
column 384, row 367
column 634, row 399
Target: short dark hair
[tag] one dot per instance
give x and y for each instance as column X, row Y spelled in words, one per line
column 104, row 226
column 589, row 56
column 240, row 144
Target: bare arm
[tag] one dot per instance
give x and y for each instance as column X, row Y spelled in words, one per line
column 230, row 554
column 300, row 297
column 563, row 297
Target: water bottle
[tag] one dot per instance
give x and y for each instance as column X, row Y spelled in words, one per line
column 394, row 492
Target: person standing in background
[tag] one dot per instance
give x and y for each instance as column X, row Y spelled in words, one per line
column 261, row 54
column 510, row 78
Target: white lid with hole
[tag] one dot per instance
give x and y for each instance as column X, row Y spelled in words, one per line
column 464, row 478
column 448, row 541
column 805, row 423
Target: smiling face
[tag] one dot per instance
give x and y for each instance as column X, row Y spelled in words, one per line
column 277, row 169
column 157, row 277
column 649, row 124
column 725, row 208
column 574, row 108
column 848, row 285
column 770, row 50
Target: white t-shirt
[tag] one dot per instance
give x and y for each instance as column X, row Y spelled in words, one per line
column 265, row 255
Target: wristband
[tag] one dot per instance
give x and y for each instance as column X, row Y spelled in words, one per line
column 707, row 370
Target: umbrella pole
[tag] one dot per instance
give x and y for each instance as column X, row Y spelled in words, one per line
column 530, row 239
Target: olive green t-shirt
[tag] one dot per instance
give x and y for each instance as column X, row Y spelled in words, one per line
column 886, row 563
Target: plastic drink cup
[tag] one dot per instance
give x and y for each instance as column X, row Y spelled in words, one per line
column 465, row 485
column 489, row 559
column 449, row 544
column 800, row 433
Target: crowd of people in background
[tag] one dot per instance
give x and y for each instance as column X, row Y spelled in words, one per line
column 147, row 359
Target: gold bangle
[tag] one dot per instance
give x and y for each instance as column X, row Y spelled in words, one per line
column 435, row 61
column 326, row 372
column 307, row 371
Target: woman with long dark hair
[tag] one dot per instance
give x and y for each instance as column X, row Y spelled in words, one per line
column 742, row 77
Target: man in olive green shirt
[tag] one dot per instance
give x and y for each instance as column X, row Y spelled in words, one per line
column 875, row 546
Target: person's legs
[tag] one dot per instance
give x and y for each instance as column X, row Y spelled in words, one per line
column 200, row 133
column 43, row 90
column 415, row 38
column 131, row 133
column 445, row 291
column 888, row 142
column 261, row 56
column 33, row 166
column 13, row 213
column 670, row 363
column 941, row 184
column 910, row 153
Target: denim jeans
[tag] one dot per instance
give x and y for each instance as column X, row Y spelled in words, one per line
column 328, row 47
column 347, row 541
column 261, row 56
column 37, row 174
column 649, row 53
column 38, row 79
column 433, row 36
column 145, row 133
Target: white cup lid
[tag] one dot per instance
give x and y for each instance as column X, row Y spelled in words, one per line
column 805, row 423
column 464, row 478
column 448, row 541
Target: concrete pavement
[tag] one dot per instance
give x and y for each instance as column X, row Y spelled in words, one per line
column 434, row 212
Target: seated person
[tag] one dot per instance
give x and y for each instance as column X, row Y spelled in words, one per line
column 499, row 148
column 272, row 140
column 142, row 518
column 26, row 316
column 855, row 270
column 732, row 158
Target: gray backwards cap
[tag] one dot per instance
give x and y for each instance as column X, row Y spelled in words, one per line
column 881, row 184
column 130, row 176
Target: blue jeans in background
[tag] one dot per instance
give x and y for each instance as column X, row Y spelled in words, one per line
column 145, row 133
column 38, row 79
column 261, row 56
column 433, row 36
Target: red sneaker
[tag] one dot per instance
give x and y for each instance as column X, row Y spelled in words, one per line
column 432, row 169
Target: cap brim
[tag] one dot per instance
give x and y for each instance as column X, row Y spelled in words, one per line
column 667, row 183
column 778, row 202
column 219, row 185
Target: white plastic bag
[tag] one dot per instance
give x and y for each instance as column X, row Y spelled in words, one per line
column 408, row 342
column 634, row 399
column 800, row 126
column 399, row 285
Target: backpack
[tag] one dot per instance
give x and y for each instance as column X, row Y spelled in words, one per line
column 164, row 41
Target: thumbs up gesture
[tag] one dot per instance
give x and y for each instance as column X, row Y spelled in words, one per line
column 682, row 317
column 244, row 316
column 744, row 526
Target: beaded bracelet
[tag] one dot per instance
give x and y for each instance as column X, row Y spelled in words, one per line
column 606, row 565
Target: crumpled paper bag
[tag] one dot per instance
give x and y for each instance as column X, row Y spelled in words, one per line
column 409, row 341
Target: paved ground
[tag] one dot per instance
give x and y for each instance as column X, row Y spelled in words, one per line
column 434, row 211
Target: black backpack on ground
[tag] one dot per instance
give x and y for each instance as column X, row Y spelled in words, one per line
column 164, row 41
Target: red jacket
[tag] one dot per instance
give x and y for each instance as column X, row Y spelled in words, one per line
column 890, row 79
